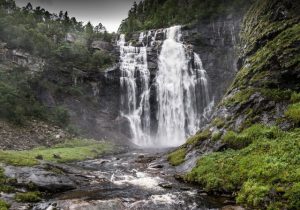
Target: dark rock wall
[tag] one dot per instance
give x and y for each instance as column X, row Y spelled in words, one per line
column 216, row 42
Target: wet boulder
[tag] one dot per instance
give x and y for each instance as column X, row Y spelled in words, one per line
column 42, row 179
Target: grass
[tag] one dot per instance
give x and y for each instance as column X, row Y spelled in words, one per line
column 177, row 157
column 295, row 98
column 264, row 174
column 28, row 197
column 72, row 150
column 4, row 205
column 247, row 136
column 293, row 113
column 201, row 136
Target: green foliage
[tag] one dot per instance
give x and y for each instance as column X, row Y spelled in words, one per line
column 201, row 136
column 216, row 136
column 240, row 97
column 265, row 173
column 39, row 33
column 73, row 150
column 4, row 205
column 247, row 136
column 177, row 157
column 253, row 193
column 151, row 14
column 28, row 197
column 295, row 98
column 293, row 112
column 218, row 122
column 59, row 116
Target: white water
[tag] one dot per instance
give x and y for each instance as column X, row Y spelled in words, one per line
column 182, row 91
column 134, row 102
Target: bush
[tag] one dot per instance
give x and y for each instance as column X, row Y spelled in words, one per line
column 253, row 193
column 60, row 116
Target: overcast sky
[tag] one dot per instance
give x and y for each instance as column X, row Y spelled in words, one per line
column 109, row 12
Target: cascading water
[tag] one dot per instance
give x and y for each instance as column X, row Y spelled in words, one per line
column 135, row 102
column 182, row 91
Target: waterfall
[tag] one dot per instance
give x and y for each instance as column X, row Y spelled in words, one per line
column 182, row 91
column 135, row 102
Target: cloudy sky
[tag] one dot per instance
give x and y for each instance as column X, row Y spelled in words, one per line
column 109, row 12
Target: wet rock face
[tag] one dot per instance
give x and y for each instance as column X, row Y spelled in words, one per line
column 44, row 180
column 216, row 42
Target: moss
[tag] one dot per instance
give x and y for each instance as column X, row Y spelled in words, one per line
column 72, row 150
column 263, row 174
column 4, row 205
column 295, row 97
column 293, row 195
column 253, row 193
column 248, row 135
column 28, row 197
column 216, row 136
column 276, row 94
column 293, row 113
column 201, row 136
column 240, row 97
column 218, row 122
column 177, row 157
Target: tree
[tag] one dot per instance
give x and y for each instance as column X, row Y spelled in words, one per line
column 66, row 16
column 28, row 7
column 100, row 28
column 61, row 14
column 89, row 29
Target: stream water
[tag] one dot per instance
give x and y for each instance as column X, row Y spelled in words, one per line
column 135, row 180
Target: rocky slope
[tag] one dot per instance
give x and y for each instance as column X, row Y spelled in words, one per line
column 255, row 125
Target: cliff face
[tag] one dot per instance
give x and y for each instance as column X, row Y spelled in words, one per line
column 258, row 118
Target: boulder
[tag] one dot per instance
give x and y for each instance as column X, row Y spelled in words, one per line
column 44, row 180
column 101, row 45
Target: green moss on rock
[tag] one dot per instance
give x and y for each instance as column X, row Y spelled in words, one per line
column 28, row 197
column 293, row 113
column 177, row 157
column 263, row 173
column 4, row 205
column 201, row 136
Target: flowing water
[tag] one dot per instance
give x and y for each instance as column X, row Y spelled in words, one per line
column 182, row 91
column 136, row 180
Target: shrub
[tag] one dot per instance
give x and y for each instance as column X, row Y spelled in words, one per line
column 253, row 193
column 60, row 116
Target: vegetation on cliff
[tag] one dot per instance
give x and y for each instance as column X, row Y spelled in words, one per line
column 256, row 128
column 62, row 42
column 149, row 14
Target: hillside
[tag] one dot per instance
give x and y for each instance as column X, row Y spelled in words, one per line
column 255, row 128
